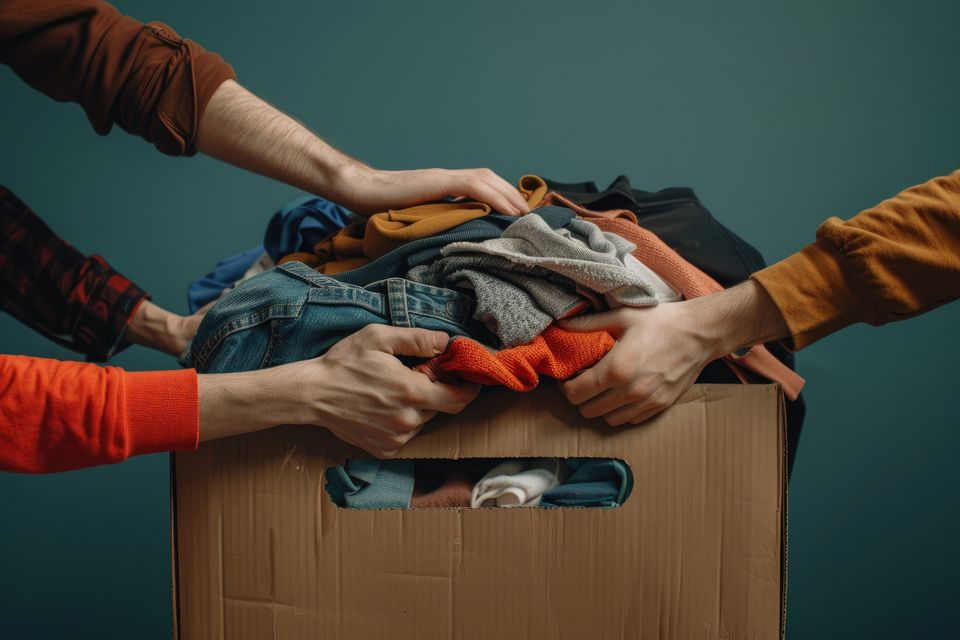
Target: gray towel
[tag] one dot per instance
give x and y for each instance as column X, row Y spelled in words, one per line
column 515, row 302
column 580, row 251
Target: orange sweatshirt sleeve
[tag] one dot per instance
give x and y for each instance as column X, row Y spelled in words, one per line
column 896, row 260
column 56, row 416
column 144, row 78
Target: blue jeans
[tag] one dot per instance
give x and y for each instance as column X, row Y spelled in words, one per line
column 293, row 313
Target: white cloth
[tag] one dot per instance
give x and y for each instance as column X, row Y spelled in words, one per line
column 663, row 291
column 516, row 483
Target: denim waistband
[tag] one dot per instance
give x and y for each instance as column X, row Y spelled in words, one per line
column 396, row 298
column 293, row 292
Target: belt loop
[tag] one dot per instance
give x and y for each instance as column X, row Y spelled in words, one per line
column 397, row 297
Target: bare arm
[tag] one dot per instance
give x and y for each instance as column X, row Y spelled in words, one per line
column 243, row 130
column 358, row 390
column 661, row 350
column 891, row 262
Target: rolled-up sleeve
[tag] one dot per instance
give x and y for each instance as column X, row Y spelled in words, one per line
column 143, row 77
column 893, row 261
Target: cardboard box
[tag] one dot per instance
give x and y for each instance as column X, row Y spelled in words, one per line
column 697, row 550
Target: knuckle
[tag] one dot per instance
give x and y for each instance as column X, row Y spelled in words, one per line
column 413, row 395
column 408, row 420
column 388, row 451
column 611, row 421
column 424, row 342
column 620, row 372
column 372, row 331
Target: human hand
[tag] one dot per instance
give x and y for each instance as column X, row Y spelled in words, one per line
column 661, row 350
column 368, row 190
column 658, row 355
column 155, row 327
column 358, row 390
column 366, row 397
column 240, row 128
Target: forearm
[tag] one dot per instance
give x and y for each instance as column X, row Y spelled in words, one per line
column 143, row 77
column 243, row 130
column 735, row 318
column 155, row 327
column 890, row 262
column 56, row 416
column 235, row 403
column 79, row 301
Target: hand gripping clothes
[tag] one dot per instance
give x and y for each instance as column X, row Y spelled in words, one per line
column 293, row 313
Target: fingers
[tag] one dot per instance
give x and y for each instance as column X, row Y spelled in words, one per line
column 482, row 190
column 587, row 385
column 508, row 190
column 612, row 321
column 454, row 398
column 426, row 395
column 637, row 412
column 403, row 341
column 486, row 186
column 605, row 402
column 203, row 310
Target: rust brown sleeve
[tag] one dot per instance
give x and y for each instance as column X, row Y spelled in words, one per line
column 896, row 260
column 143, row 77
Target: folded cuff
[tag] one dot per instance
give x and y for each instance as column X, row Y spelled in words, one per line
column 814, row 291
column 109, row 301
column 162, row 411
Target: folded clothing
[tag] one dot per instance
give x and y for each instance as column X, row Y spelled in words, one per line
column 364, row 241
column 535, row 274
column 517, row 483
column 479, row 482
column 301, row 223
column 593, row 482
column 692, row 283
column 515, row 302
column 371, row 484
column 445, row 484
column 222, row 277
column 678, row 218
column 297, row 225
column 556, row 353
column 579, row 251
column 535, row 187
column 399, row 261
column 293, row 313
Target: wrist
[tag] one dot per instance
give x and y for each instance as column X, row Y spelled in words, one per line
column 735, row 318
column 335, row 175
column 155, row 327
column 235, row 403
column 356, row 186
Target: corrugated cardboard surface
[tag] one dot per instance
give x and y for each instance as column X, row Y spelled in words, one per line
column 695, row 552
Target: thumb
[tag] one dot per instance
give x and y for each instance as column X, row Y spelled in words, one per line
column 611, row 321
column 404, row 341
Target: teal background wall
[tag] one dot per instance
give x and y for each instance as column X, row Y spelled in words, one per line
column 778, row 114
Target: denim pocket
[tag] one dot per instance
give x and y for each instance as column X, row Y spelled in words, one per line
column 235, row 334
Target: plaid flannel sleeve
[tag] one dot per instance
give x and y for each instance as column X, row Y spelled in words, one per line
column 78, row 301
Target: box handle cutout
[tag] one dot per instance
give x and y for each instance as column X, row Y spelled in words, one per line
column 438, row 483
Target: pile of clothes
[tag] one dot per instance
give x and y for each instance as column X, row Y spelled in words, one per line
column 479, row 482
column 495, row 283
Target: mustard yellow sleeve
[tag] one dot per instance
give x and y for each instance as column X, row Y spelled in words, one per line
column 896, row 260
